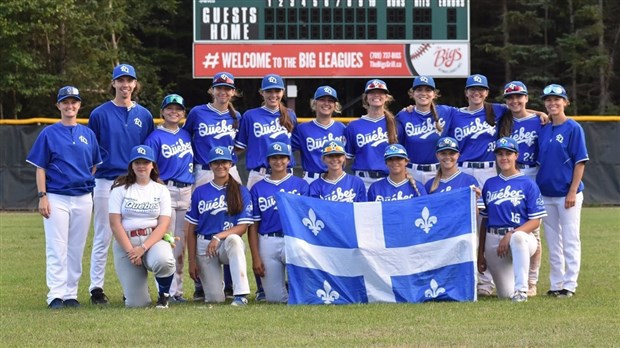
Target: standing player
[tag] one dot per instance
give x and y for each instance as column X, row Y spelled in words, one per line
column 219, row 215
column 139, row 217
column 174, row 157
column 422, row 126
column 514, row 208
column 561, row 169
column 263, row 126
column 310, row 137
column 448, row 175
column 336, row 185
column 118, row 124
column 65, row 155
column 524, row 127
column 399, row 184
column 265, row 236
column 368, row 137
column 214, row 124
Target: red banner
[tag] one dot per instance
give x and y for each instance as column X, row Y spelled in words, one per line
column 332, row 60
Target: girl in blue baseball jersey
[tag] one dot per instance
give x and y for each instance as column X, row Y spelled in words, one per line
column 336, row 185
column 219, row 215
column 310, row 137
column 265, row 236
column 368, row 137
column 513, row 209
column 523, row 127
column 119, row 125
column 214, row 124
column 139, row 217
column 562, row 161
column 263, row 126
column 448, row 175
column 399, row 184
column 65, row 155
column 422, row 125
column 174, row 158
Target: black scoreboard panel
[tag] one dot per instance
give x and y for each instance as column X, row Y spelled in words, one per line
column 333, row 20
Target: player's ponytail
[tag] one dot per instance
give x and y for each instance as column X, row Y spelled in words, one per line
column 438, row 126
column 506, row 124
column 233, row 113
column 233, row 196
column 490, row 115
column 436, row 180
column 390, row 121
column 285, row 119
column 413, row 183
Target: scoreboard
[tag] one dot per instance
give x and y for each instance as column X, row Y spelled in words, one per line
column 332, row 38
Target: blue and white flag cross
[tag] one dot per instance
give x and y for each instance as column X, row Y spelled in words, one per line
column 416, row 250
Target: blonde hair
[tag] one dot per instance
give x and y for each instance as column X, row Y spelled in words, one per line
column 390, row 120
column 337, row 108
column 438, row 126
column 231, row 108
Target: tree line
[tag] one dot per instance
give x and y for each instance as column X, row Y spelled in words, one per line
column 47, row 44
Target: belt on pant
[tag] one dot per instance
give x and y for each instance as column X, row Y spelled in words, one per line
column 140, row 232
column 374, row 174
column 423, row 167
column 525, row 166
column 267, row 171
column 274, row 234
column 203, row 236
column 499, row 230
column 477, row 165
column 176, row 183
column 312, row 175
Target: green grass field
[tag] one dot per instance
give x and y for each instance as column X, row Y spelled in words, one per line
column 591, row 318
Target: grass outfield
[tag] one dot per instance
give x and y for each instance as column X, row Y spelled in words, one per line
column 591, row 318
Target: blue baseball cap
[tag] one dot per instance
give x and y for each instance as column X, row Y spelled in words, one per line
column 554, row 90
column 506, row 143
column 325, row 91
column 423, row 81
column 477, row 80
column 224, row 79
column 219, row 153
column 447, row 143
column 278, row 148
column 68, row 92
column 395, row 150
column 142, row 152
column 333, row 147
column 173, row 99
column 376, row 84
column 123, row 70
column 515, row 87
column 272, row 81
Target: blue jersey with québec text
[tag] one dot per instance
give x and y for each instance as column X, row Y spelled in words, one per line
column 259, row 128
column 367, row 139
column 118, row 129
column 68, row 155
column 475, row 136
column 457, row 180
column 525, row 131
column 561, row 147
column 387, row 190
column 347, row 188
column 511, row 201
column 173, row 154
column 310, row 137
column 420, row 134
column 264, row 200
column 208, row 128
column 209, row 210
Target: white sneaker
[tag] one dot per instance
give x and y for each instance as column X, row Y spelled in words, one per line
column 519, row 296
column 239, row 301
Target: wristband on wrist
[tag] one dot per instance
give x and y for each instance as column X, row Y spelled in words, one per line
column 144, row 247
column 216, row 238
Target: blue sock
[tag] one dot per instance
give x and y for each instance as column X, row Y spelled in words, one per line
column 164, row 284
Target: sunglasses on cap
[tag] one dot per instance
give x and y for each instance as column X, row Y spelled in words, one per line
column 513, row 89
column 333, row 147
column 223, row 78
column 553, row 89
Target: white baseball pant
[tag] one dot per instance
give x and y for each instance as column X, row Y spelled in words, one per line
column 180, row 199
column 271, row 251
column 535, row 259
column 511, row 271
column 230, row 251
column 102, row 234
column 422, row 176
column 562, row 235
column 158, row 259
column 66, row 230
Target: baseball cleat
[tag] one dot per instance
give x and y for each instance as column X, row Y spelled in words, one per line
column 484, row 292
column 239, row 301
column 162, row 301
column 56, row 303
column 72, row 303
column 199, row 295
column 97, row 297
column 178, row 299
column 260, row 296
column 566, row 293
column 553, row 293
column 519, row 296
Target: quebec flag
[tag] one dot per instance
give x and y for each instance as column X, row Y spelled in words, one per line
column 416, row 250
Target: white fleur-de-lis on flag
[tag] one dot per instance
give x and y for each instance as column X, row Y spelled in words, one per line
column 434, row 291
column 313, row 223
column 327, row 294
column 426, row 222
